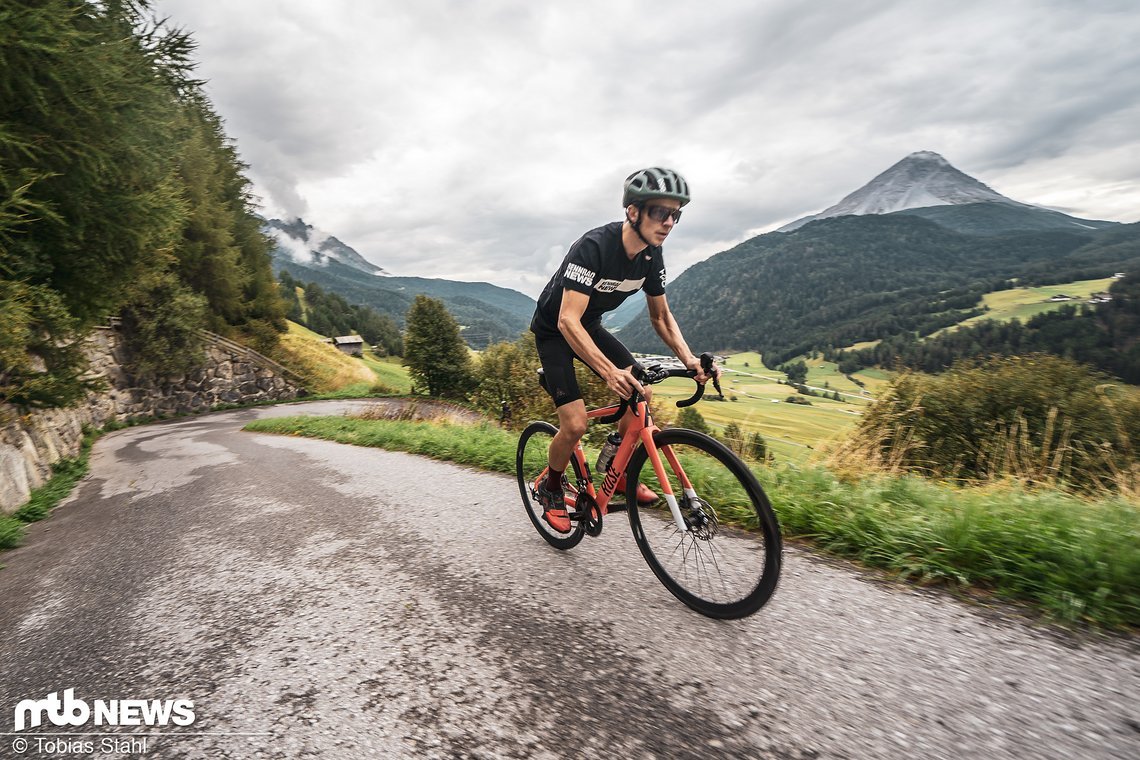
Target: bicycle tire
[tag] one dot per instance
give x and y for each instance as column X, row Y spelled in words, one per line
column 530, row 462
column 682, row 560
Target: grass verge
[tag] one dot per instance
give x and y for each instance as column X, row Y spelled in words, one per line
column 65, row 474
column 1077, row 560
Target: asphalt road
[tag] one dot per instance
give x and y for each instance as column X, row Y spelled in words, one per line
column 318, row 600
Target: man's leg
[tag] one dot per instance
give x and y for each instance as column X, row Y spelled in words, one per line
column 571, row 427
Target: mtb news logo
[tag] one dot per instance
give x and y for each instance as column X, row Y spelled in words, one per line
column 70, row 711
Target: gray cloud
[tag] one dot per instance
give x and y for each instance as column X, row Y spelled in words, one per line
column 479, row 140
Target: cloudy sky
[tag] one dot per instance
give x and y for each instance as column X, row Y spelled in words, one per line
column 477, row 140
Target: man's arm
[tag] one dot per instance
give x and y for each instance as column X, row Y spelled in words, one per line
column 618, row 379
column 666, row 327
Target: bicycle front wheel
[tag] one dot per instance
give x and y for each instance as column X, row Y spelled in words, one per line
column 718, row 570
column 531, row 461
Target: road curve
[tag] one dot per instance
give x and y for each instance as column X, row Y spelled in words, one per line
column 319, row 600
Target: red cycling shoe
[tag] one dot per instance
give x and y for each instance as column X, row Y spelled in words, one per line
column 553, row 506
column 645, row 496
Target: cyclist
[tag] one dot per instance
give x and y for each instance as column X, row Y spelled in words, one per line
column 603, row 268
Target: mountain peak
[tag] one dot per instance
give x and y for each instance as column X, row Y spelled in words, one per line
column 927, row 155
column 922, row 179
column 305, row 244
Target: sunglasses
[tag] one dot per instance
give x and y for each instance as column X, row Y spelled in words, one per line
column 661, row 213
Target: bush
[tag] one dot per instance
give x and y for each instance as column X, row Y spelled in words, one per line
column 41, row 363
column 506, row 373
column 161, row 327
column 1039, row 418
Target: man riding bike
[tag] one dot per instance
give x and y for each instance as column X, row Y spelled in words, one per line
column 603, row 268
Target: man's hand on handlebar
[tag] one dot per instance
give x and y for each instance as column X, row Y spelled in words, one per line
column 623, row 383
column 703, row 375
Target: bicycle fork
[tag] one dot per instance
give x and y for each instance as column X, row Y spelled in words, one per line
column 663, row 477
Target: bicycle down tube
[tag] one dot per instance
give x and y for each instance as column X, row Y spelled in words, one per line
column 625, row 453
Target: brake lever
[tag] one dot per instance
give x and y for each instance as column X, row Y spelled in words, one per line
column 707, row 362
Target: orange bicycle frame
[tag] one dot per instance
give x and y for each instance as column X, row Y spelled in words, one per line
column 641, row 429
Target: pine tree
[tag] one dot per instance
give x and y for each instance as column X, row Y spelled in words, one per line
column 436, row 357
column 733, row 437
column 693, row 420
column 757, row 447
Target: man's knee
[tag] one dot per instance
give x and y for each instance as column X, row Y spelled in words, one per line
column 572, row 420
column 575, row 427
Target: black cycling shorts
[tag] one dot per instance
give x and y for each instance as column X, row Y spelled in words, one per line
column 558, row 362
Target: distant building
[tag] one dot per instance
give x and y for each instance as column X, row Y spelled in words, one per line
column 1060, row 297
column 353, row 345
column 1118, row 275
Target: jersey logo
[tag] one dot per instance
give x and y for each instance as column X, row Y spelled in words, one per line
column 622, row 286
column 579, row 274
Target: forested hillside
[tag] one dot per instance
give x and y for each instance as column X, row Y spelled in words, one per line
column 1106, row 336
column 330, row 315
column 487, row 313
column 120, row 194
column 839, row 281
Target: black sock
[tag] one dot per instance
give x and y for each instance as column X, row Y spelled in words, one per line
column 553, row 480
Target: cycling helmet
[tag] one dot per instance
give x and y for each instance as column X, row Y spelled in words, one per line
column 648, row 184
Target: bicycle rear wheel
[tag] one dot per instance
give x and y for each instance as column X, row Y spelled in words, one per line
column 717, row 570
column 530, row 465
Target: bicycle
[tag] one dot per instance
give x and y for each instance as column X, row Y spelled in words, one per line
column 684, row 542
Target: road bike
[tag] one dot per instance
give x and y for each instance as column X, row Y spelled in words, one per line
column 718, row 570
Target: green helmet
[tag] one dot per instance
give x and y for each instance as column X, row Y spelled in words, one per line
column 648, row 184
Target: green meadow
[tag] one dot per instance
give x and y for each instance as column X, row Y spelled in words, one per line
column 389, row 370
column 756, row 400
column 1023, row 303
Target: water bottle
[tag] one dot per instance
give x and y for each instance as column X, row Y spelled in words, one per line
column 613, row 440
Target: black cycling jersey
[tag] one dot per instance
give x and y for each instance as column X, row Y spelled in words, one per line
column 598, row 265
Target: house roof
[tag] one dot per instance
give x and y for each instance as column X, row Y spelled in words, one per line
column 348, row 339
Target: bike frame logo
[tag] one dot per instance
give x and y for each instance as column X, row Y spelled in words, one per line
column 70, row 711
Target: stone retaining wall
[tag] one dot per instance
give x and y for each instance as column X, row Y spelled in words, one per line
column 31, row 443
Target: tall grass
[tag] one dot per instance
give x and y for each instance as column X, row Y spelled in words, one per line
column 484, row 446
column 1077, row 559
